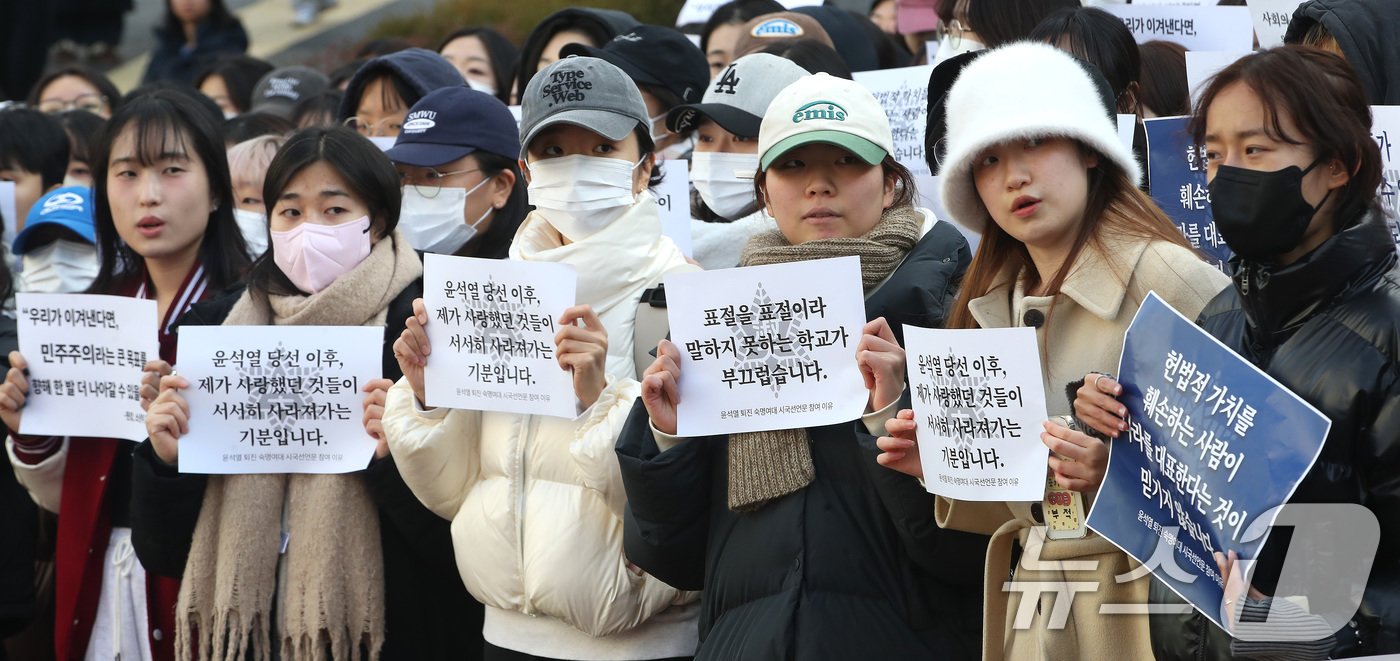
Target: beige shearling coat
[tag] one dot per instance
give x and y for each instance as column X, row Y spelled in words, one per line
column 1065, row 582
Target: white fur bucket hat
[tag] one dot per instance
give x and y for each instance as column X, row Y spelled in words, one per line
column 1016, row 92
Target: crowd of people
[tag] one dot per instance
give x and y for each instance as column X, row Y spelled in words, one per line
column 232, row 192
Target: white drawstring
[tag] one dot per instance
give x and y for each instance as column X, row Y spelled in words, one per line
column 123, row 558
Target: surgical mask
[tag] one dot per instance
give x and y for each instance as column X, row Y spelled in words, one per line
column 947, row 50
column 60, row 267
column 435, row 224
column 580, row 195
column 253, row 226
column 1261, row 214
column 724, row 181
column 384, row 143
column 658, row 128
column 313, row 255
column 481, row 87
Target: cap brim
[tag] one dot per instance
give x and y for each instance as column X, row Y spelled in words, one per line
column 637, row 75
column 606, row 123
column 864, row 149
column 425, row 154
column 729, row 118
column 86, row 233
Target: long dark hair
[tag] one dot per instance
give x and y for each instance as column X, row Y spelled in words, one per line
column 1331, row 113
column 361, row 164
column 219, row 15
column 505, row 57
column 240, row 74
column 494, row 243
column 1003, row 21
column 1114, row 206
column 1099, row 38
column 158, row 117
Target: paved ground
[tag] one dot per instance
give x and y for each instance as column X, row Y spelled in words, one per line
column 269, row 26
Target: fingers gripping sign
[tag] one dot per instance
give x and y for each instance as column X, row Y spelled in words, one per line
column 151, row 375
column 881, row 361
column 900, row 450
column 14, row 391
column 661, row 392
column 168, row 418
column 582, row 349
column 375, row 393
column 1078, row 460
column 412, row 348
column 1096, row 404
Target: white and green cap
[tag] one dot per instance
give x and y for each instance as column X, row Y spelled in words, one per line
column 824, row 108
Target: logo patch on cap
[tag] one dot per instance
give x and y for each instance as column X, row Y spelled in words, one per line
column 819, row 110
column 62, row 202
column 283, row 87
column 420, row 121
column 565, row 87
column 777, row 27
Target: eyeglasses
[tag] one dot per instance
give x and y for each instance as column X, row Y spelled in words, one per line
column 431, row 182
column 955, row 33
column 93, row 103
column 388, row 127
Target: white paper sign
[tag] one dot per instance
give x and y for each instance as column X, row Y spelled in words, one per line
column 768, row 347
column 85, row 355
column 979, row 401
column 492, row 325
column 903, row 93
column 1271, row 19
column 1126, row 124
column 277, row 399
column 8, row 210
column 1385, row 128
column 1201, row 66
column 1196, row 28
column 673, row 201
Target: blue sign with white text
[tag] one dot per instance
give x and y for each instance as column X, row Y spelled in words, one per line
column 1212, row 444
column 1178, row 176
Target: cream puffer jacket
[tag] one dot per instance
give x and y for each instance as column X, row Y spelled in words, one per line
column 536, row 502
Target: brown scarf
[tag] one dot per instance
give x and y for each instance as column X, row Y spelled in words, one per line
column 767, row 465
column 330, row 593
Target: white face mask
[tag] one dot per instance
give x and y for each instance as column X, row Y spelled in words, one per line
column 435, row 224
column 61, row 267
column 253, row 226
column 384, row 143
column 658, row 128
column 580, row 195
column 481, row 87
column 946, row 50
column 724, row 181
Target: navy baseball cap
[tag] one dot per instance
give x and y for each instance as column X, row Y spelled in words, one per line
column 450, row 123
column 69, row 207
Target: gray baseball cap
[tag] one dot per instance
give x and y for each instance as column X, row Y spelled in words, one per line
column 583, row 91
column 739, row 96
column 280, row 90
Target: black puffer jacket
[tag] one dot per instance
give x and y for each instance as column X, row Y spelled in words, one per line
column 1327, row 328
column 851, row 566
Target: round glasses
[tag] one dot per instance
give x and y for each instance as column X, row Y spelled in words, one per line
column 430, row 183
column 93, row 103
column 388, row 127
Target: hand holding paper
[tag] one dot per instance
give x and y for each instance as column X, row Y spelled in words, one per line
column 14, row 391
column 150, row 381
column 412, row 348
column 660, row 392
column 583, row 350
column 168, row 418
column 1096, row 404
column 1079, row 460
column 881, row 362
column 900, row 450
column 375, row 392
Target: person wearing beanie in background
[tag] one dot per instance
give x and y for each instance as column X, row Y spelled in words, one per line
column 803, row 545
column 380, row 93
column 463, row 193
column 58, row 248
column 1070, row 247
column 725, row 211
column 667, row 68
column 551, row 570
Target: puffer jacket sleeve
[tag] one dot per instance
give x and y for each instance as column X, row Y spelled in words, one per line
column 666, row 526
column 437, row 451
column 595, row 439
column 1381, row 446
column 165, row 506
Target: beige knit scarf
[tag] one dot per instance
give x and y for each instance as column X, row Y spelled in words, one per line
column 329, row 596
column 767, row 465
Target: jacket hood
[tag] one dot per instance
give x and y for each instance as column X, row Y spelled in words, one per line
column 423, row 70
column 610, row 22
column 1366, row 31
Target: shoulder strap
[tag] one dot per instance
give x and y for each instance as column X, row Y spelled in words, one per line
column 652, row 325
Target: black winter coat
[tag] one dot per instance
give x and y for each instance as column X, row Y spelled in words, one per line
column 853, row 565
column 1328, row 329
column 428, row 612
column 172, row 62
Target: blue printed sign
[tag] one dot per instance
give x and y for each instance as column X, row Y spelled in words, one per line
column 1178, row 172
column 1213, row 443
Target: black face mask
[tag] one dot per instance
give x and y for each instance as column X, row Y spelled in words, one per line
column 1261, row 214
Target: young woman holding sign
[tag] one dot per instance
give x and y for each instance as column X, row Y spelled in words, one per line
column 1070, row 247
column 535, row 501
column 165, row 231
column 1294, row 172
column 829, row 555
column 363, row 568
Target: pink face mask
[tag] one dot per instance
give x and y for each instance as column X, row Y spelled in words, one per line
column 313, row 255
